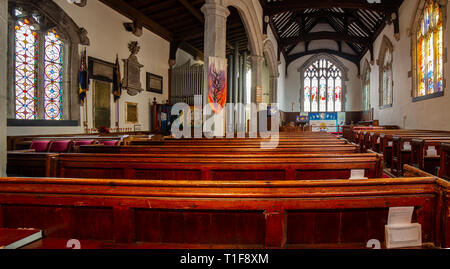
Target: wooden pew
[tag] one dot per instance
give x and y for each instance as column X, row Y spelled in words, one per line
column 247, row 150
column 402, row 155
column 204, row 167
column 27, row 164
column 445, row 161
column 419, row 156
column 386, row 141
column 226, row 214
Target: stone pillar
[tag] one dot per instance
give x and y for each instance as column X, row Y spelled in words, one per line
column 236, row 74
column 257, row 64
column 3, row 88
column 273, row 80
column 230, row 77
column 215, row 36
column 244, row 78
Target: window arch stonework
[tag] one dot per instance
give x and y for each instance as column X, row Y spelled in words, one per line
column 386, row 80
column 47, row 17
column 343, row 77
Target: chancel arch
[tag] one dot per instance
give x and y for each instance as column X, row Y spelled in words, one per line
column 322, row 84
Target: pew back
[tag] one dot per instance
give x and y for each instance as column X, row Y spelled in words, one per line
column 228, row 214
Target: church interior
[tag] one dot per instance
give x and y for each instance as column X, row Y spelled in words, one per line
column 224, row 124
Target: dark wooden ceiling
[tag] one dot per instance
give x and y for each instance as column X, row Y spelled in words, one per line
column 356, row 23
column 180, row 21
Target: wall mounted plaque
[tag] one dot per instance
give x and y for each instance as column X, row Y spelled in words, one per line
column 132, row 73
column 154, row 83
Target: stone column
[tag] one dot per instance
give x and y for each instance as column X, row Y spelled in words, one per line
column 3, row 88
column 273, row 80
column 215, row 46
column 215, row 36
column 257, row 64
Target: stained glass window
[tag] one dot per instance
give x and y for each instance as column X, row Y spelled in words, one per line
column 26, row 53
column 386, row 74
column 429, row 51
column 38, row 69
column 322, row 89
column 53, row 76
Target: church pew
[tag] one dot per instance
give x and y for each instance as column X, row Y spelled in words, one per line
column 419, row 153
column 387, row 142
column 245, row 149
column 34, row 164
column 401, row 149
column 204, row 167
column 445, row 161
column 225, row 214
column 27, row 164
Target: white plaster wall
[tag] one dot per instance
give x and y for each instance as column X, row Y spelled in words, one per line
column 292, row 86
column 108, row 38
column 183, row 57
column 428, row 114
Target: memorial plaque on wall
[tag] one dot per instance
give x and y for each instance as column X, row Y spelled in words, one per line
column 131, row 113
column 132, row 76
column 154, row 83
column 102, row 104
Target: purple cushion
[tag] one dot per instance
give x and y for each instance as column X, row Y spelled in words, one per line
column 40, row 146
column 110, row 142
column 60, row 146
column 84, row 142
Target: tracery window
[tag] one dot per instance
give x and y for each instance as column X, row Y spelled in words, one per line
column 386, row 73
column 43, row 62
column 429, row 71
column 38, row 69
column 322, row 87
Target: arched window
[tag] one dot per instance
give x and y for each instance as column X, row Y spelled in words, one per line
column 366, row 87
column 428, row 51
column 386, row 73
column 322, row 86
column 43, row 59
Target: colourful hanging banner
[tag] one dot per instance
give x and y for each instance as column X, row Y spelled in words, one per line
column 217, row 83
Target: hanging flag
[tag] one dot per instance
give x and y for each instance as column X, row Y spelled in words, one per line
column 117, row 83
column 83, row 79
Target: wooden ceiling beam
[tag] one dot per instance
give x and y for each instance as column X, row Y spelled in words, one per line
column 322, row 36
column 350, row 57
column 135, row 15
column 272, row 8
